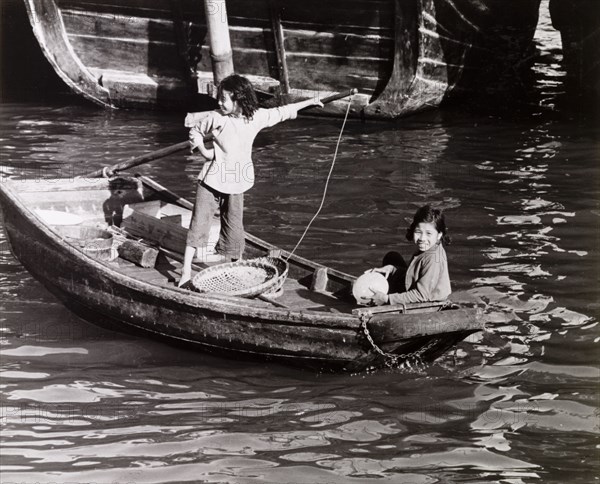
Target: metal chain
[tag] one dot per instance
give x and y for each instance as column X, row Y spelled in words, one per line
column 392, row 360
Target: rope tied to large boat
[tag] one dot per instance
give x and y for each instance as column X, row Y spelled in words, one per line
column 337, row 147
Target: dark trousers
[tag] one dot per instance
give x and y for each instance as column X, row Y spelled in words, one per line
column 397, row 280
column 231, row 209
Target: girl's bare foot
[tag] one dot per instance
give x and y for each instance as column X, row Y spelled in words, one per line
column 184, row 279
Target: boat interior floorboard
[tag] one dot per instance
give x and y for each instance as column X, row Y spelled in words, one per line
column 167, row 271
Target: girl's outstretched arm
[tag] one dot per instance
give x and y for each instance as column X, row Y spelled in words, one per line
column 306, row 104
column 267, row 118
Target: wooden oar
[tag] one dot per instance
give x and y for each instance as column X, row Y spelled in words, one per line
column 336, row 97
column 169, row 150
column 166, row 192
column 140, row 160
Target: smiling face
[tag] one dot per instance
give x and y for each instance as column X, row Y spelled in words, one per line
column 227, row 104
column 425, row 236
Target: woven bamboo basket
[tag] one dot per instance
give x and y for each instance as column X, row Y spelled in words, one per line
column 282, row 272
column 242, row 278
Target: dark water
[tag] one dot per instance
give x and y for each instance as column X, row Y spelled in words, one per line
column 516, row 404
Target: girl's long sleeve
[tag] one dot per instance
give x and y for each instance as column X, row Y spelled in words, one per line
column 199, row 126
column 427, row 279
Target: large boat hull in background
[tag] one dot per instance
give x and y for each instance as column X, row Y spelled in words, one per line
column 402, row 55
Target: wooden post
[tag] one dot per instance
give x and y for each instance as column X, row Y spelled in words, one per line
column 218, row 37
column 319, row 280
column 284, row 80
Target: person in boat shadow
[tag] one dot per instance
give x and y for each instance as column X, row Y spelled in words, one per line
column 426, row 278
column 229, row 171
column 123, row 190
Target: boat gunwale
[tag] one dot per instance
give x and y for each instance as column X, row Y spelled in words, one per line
column 166, row 195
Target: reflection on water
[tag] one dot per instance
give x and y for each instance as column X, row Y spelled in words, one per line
column 514, row 404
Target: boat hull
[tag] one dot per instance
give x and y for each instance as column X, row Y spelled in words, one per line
column 579, row 24
column 226, row 325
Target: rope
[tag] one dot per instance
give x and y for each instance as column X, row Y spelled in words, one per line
column 326, row 181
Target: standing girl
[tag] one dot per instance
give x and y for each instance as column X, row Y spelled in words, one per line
column 427, row 277
column 229, row 171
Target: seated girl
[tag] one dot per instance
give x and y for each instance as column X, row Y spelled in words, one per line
column 426, row 278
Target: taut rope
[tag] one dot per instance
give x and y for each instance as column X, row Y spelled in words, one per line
column 326, row 181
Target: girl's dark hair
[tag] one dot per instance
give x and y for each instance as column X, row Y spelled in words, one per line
column 242, row 92
column 433, row 216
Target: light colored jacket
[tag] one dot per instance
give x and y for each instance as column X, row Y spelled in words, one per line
column 427, row 278
column 232, row 170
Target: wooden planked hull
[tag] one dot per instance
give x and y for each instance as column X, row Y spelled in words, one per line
column 579, row 24
column 312, row 336
column 402, row 55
